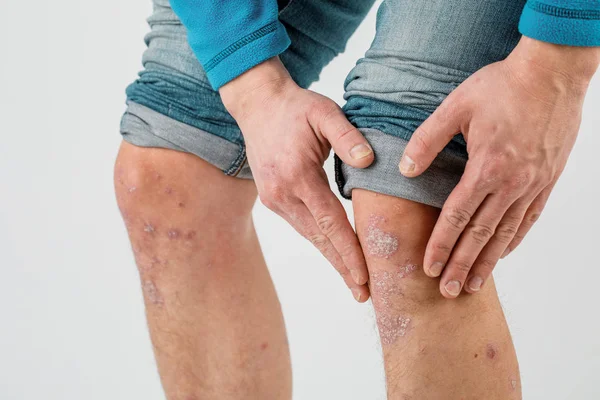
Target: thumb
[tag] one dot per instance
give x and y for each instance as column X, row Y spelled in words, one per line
column 347, row 141
column 430, row 138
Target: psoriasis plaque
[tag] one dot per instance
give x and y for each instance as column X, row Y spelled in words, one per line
column 380, row 243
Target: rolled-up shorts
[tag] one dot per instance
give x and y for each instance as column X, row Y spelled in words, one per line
column 422, row 50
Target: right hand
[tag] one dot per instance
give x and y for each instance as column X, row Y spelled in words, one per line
column 289, row 132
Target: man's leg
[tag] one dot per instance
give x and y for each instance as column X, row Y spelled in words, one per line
column 214, row 317
column 434, row 348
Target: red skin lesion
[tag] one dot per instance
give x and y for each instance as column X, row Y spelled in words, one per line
column 491, row 352
column 173, row 234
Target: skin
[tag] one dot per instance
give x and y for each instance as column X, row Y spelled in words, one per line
column 275, row 113
column 433, row 348
column 520, row 118
column 213, row 314
column 214, row 318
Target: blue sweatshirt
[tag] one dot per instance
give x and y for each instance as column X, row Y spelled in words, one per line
column 231, row 36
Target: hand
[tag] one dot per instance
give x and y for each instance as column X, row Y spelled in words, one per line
column 289, row 132
column 520, row 119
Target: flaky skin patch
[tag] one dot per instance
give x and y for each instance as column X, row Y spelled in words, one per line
column 386, row 288
column 152, row 293
column 380, row 243
column 391, row 328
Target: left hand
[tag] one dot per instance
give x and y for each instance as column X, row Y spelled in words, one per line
column 520, row 118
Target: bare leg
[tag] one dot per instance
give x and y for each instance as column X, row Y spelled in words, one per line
column 214, row 317
column 434, row 348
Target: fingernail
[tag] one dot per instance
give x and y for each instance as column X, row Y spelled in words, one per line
column 506, row 252
column 453, row 288
column 407, row 165
column 360, row 151
column 436, row 268
column 475, row 283
column 357, row 295
column 355, row 277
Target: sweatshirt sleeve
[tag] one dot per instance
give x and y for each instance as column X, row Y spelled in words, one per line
column 231, row 36
column 568, row 22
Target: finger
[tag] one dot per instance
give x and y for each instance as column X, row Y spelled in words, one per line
column 476, row 235
column 347, row 141
column 302, row 220
column 456, row 214
column 531, row 217
column 332, row 221
column 489, row 256
column 432, row 136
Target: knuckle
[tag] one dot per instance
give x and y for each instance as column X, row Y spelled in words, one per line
column 534, row 216
column 327, row 224
column 535, row 212
column 421, row 139
column 518, row 238
column 346, row 251
column 323, row 111
column 491, row 173
column 461, row 266
column 274, row 193
column 458, row 217
column 520, row 181
column 324, row 108
column 319, row 241
column 481, row 233
column 342, row 131
column 486, row 265
column 506, row 232
column 441, row 247
column 450, row 107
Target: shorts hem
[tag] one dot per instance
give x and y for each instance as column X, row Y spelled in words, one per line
column 144, row 127
column 383, row 176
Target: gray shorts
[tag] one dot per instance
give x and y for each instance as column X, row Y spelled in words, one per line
column 423, row 49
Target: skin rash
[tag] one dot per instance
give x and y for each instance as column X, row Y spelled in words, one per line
column 152, row 293
column 384, row 284
column 380, row 243
column 386, row 292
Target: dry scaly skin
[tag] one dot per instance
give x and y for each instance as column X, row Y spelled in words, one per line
column 386, row 292
column 149, row 228
column 392, row 328
column 152, row 293
column 379, row 242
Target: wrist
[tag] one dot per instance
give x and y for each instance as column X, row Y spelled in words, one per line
column 262, row 81
column 565, row 65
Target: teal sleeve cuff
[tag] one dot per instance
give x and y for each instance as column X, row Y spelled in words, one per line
column 560, row 24
column 249, row 51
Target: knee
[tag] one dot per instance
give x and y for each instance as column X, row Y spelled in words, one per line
column 172, row 200
column 144, row 197
column 394, row 233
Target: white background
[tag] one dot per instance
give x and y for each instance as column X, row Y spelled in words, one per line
column 71, row 318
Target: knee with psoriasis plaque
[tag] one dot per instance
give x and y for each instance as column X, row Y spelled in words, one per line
column 389, row 267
